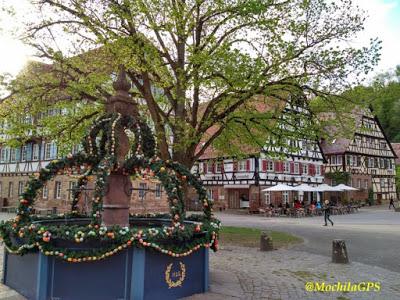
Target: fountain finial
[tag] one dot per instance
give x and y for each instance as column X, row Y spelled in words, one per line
column 122, row 84
column 122, row 102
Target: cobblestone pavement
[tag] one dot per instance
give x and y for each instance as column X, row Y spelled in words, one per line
column 372, row 235
column 244, row 273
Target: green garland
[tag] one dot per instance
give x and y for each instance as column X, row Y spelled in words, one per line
column 26, row 233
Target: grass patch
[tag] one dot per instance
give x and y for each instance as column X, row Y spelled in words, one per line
column 250, row 237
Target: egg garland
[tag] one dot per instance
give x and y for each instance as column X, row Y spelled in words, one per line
column 99, row 160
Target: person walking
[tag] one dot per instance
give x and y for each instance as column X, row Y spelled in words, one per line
column 327, row 213
column 391, row 203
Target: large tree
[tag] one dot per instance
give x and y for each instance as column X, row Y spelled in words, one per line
column 195, row 64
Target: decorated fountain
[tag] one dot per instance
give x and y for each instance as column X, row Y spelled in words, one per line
column 110, row 253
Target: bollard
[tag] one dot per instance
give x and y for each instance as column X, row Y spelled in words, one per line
column 266, row 242
column 339, row 252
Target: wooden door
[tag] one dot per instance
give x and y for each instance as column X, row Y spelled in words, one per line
column 234, row 199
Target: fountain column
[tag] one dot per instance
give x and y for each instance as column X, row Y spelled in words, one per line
column 117, row 198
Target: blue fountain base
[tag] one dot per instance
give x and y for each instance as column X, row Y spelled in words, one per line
column 134, row 274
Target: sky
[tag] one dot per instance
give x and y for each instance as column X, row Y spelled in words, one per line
column 383, row 22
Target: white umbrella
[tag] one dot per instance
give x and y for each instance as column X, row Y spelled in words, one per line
column 344, row 187
column 305, row 188
column 327, row 188
column 279, row 188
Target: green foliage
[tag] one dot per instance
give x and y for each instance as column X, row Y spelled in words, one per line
column 195, row 64
column 383, row 94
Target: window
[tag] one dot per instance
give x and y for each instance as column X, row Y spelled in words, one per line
column 47, row 152
column 158, row 190
column 270, row 166
column 333, row 160
column 296, row 168
column 349, row 160
column 387, row 162
column 383, row 182
column 339, row 159
column 268, row 198
column 1, row 189
column 219, row 167
column 3, row 155
column 286, row 167
column 71, row 189
column 359, row 183
column 366, row 184
column 12, row 155
column 305, row 169
column 391, row 164
column 285, row 196
column 371, row 162
column 358, row 161
column 210, row 194
column 10, row 189
column 317, row 169
column 242, row 165
column 35, row 152
column 142, row 190
column 382, row 145
column 45, row 192
column 23, row 153
column 57, row 190
column 20, row 188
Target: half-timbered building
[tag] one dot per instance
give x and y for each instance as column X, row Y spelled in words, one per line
column 367, row 159
column 238, row 183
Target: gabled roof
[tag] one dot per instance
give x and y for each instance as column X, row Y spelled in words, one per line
column 341, row 144
column 337, row 145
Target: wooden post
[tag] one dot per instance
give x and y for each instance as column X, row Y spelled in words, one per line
column 266, row 242
column 339, row 252
column 117, row 199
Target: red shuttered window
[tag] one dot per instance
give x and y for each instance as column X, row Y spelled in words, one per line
column 264, row 165
column 277, row 167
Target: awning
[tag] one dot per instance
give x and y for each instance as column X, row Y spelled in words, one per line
column 305, row 188
column 327, row 188
column 344, row 187
column 278, row 188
